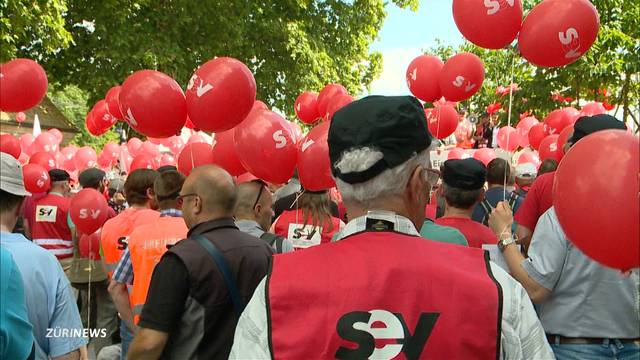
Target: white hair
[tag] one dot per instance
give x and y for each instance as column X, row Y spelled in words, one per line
column 390, row 182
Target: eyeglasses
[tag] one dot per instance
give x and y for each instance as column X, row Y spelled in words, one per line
column 262, row 186
column 432, row 176
column 180, row 198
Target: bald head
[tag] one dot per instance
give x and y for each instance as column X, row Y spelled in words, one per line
column 215, row 187
column 247, row 196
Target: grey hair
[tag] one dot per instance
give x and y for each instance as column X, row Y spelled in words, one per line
column 390, row 182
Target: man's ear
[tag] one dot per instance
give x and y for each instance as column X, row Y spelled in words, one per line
column 150, row 193
column 417, row 184
column 257, row 209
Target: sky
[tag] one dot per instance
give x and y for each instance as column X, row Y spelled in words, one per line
column 402, row 37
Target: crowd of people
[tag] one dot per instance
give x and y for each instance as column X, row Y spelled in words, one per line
column 201, row 267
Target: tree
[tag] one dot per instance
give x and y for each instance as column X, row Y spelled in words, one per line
column 33, row 27
column 291, row 46
column 610, row 64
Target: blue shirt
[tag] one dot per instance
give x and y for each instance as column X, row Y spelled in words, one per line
column 494, row 196
column 16, row 337
column 50, row 302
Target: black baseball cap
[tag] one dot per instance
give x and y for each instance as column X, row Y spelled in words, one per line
column 465, row 174
column 587, row 125
column 59, row 175
column 91, row 178
column 393, row 125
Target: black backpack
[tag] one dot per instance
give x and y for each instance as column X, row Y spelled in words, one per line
column 270, row 239
column 486, row 206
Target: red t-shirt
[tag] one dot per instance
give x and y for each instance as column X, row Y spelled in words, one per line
column 476, row 233
column 539, row 199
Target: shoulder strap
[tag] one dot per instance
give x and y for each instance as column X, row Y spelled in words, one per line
column 513, row 198
column 217, row 257
column 486, row 206
column 270, row 239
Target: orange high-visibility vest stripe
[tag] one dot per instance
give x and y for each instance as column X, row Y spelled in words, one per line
column 147, row 244
column 116, row 231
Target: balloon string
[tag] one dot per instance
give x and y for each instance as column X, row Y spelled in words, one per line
column 513, row 61
column 438, row 125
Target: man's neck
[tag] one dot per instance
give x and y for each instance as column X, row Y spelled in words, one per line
column 139, row 206
column 459, row 213
column 491, row 186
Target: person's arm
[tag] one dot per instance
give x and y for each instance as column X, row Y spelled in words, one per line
column 147, row 345
column 123, row 276
column 500, row 222
column 162, row 311
column 65, row 316
column 524, row 236
column 251, row 337
column 73, row 355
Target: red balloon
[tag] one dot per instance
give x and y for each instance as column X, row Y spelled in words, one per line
column 89, row 245
column 563, row 137
column 142, row 161
column 189, row 124
column 125, row 159
column 536, row 134
column 103, row 162
column 314, row 166
column 442, row 121
column 461, row 76
column 326, row 94
column 85, row 158
column 491, row 24
column 57, row 134
column 149, row 148
column 23, row 85
column 69, row 153
column 21, row 117
column 226, row 85
column 113, row 103
column 593, row 108
column 194, row 155
column 549, row 148
column 196, row 138
column 175, row 144
column 10, row 145
column 88, row 210
column 23, row 159
column 26, row 140
column 422, row 77
column 484, row 155
column 224, row 153
column 336, row 103
column 167, row 159
column 36, row 178
column 603, row 165
column 259, row 105
column 526, row 124
column 265, row 146
column 457, row 154
column 46, row 142
column 557, row 120
column 529, row 157
column 558, row 32
column 573, row 113
column 102, row 119
column 246, row 177
column 111, row 151
column 133, row 145
column 306, row 107
column 44, row 159
column 296, row 131
column 91, row 126
column 508, row 138
column 153, row 104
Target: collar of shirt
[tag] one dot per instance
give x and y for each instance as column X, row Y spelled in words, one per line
column 56, row 193
column 171, row 212
column 400, row 223
column 246, row 224
column 207, row 226
column 12, row 237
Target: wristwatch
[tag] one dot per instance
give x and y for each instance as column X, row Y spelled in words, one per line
column 503, row 243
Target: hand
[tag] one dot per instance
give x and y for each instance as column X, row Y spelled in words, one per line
column 501, row 219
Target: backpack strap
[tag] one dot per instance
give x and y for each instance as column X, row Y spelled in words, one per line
column 270, row 239
column 486, row 206
column 513, row 199
column 221, row 263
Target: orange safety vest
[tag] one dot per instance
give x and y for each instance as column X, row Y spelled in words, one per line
column 116, row 231
column 147, row 244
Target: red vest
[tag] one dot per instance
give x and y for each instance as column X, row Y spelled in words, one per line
column 291, row 226
column 50, row 228
column 384, row 295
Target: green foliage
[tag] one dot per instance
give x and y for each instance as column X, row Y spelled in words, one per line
column 33, row 27
column 290, row 45
column 72, row 102
column 611, row 63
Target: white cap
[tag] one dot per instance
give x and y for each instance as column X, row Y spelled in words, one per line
column 526, row 171
column 11, row 176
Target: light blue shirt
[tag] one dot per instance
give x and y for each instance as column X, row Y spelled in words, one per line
column 51, row 308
